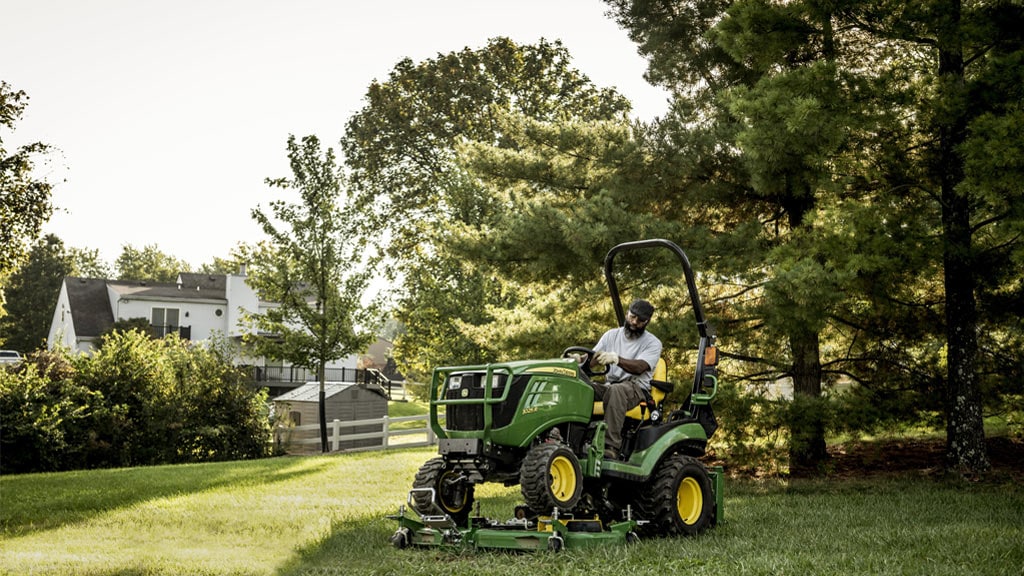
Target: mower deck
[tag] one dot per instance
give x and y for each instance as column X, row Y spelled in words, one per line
column 546, row 533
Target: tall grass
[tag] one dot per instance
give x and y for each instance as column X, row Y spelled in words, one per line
column 327, row 515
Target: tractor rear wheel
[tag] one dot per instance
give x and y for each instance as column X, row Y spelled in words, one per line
column 551, row 477
column 453, row 495
column 678, row 499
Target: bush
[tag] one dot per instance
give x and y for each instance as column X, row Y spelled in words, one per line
column 41, row 419
column 137, row 401
column 222, row 416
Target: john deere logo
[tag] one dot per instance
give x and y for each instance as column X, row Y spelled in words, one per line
column 465, row 392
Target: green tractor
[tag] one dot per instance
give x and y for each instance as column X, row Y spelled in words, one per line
column 535, row 423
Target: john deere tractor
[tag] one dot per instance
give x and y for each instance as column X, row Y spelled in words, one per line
column 535, row 423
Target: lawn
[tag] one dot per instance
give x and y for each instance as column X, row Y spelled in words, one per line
column 327, row 515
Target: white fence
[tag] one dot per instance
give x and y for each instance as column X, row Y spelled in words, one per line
column 284, row 436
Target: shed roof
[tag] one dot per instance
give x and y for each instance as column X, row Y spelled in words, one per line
column 310, row 391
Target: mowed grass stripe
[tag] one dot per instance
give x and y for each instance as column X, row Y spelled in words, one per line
column 327, row 515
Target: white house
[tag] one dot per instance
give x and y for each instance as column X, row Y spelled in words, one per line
column 196, row 307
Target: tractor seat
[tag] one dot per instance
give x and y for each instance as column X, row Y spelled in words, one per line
column 660, row 387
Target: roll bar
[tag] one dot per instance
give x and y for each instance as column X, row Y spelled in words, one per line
column 691, row 285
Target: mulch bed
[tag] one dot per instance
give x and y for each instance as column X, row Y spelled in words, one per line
column 920, row 457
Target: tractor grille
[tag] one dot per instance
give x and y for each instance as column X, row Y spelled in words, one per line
column 471, row 416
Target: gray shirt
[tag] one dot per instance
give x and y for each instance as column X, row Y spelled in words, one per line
column 646, row 347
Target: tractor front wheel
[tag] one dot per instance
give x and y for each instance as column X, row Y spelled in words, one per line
column 678, row 499
column 551, row 477
column 453, row 494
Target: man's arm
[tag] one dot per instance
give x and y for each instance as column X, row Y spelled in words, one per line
column 634, row 365
column 631, row 365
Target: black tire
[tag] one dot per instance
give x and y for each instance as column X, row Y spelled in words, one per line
column 551, row 477
column 453, row 498
column 678, row 499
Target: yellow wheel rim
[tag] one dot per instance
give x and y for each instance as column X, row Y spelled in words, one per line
column 563, row 478
column 689, row 502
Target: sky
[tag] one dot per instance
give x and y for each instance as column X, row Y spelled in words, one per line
column 168, row 116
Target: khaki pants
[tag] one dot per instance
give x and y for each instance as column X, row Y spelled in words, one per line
column 619, row 398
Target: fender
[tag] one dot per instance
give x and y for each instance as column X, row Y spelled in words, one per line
column 685, row 436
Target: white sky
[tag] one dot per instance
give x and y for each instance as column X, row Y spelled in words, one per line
column 170, row 114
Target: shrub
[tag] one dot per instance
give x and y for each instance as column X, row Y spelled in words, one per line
column 136, row 401
column 42, row 419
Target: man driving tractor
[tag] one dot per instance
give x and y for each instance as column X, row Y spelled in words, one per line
column 630, row 352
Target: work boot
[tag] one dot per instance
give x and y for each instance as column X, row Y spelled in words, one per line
column 611, row 454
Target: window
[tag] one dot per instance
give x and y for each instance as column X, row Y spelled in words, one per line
column 165, row 321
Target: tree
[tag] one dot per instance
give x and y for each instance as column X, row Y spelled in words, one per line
column 315, row 266
column 25, row 202
column 401, row 149
column 979, row 48
column 148, row 263
column 741, row 165
column 86, row 263
column 941, row 76
column 32, row 295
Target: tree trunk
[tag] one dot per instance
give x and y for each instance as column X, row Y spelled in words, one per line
column 806, row 419
column 965, row 433
column 321, row 376
column 807, row 424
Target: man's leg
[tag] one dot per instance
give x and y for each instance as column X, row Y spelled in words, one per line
column 620, row 398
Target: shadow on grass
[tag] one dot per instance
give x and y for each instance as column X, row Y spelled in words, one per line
column 353, row 547
column 39, row 502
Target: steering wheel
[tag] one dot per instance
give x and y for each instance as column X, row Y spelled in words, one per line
column 585, row 363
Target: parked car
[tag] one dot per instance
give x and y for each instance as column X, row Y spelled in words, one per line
column 10, row 357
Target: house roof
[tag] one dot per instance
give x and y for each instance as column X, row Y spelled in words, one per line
column 90, row 303
column 310, row 391
column 195, row 287
column 90, row 306
column 204, row 282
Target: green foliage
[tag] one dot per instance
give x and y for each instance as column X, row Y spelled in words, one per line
column 752, row 432
column 32, row 295
column 401, row 145
column 137, row 401
column 148, row 263
column 25, row 202
column 402, row 150
column 846, row 139
column 220, row 415
column 314, row 265
column 139, row 324
column 86, row 263
column 43, row 413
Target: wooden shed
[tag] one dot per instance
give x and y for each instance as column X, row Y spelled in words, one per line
column 344, row 401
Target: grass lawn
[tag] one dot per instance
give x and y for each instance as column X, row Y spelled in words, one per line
column 326, row 515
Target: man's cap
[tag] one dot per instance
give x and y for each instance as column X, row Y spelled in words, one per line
column 642, row 309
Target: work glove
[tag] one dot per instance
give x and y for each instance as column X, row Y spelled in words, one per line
column 607, row 358
column 577, row 356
